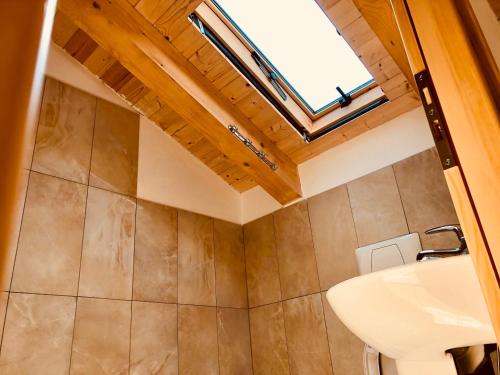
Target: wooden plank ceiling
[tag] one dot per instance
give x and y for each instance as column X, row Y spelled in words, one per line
column 76, row 20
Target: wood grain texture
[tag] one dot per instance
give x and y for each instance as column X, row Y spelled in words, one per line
column 25, row 39
column 225, row 79
column 473, row 120
column 160, row 66
column 380, row 17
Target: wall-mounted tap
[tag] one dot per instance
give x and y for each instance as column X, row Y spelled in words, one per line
column 462, row 249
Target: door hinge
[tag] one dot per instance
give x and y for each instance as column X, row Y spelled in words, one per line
column 436, row 119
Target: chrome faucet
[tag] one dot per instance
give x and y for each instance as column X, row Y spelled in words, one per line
column 442, row 253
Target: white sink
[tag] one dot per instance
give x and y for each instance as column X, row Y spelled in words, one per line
column 414, row 313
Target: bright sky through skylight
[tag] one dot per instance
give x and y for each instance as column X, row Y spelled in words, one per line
column 302, row 43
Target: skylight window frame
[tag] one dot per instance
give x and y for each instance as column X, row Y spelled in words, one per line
column 225, row 29
column 285, row 84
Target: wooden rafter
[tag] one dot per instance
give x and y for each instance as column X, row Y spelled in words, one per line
column 380, row 17
column 143, row 50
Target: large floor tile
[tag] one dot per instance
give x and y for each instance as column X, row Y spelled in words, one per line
column 376, row 207
column 50, row 242
column 261, row 262
column 269, row 349
column 108, row 246
column 346, row 350
column 102, row 337
column 64, row 137
column 115, row 149
column 231, row 283
column 334, row 236
column 196, row 260
column 306, row 336
column 426, row 198
column 235, row 353
column 155, row 260
column 154, row 339
column 296, row 257
column 37, row 336
column 198, row 341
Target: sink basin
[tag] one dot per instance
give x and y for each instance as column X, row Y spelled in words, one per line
column 414, row 313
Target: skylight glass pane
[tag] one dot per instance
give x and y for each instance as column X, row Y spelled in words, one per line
column 302, row 44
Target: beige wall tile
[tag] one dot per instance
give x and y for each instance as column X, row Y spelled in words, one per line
column 64, row 137
column 426, row 198
column 12, row 249
column 297, row 262
column 154, row 339
column 101, row 338
column 115, row 149
column 334, row 236
column 37, row 336
column 269, row 349
column 108, row 246
column 306, row 336
column 197, row 340
column 346, row 350
column 376, row 207
column 235, row 355
column 261, row 262
column 230, row 275
column 4, row 296
column 50, row 242
column 196, row 259
column 155, row 260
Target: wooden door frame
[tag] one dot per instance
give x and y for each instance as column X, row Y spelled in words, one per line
column 444, row 39
column 25, row 35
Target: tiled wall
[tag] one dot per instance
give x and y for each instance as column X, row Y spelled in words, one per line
column 101, row 282
column 294, row 255
column 104, row 283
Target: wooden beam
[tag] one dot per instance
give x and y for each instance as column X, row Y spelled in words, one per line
column 380, row 17
column 143, row 50
column 25, row 37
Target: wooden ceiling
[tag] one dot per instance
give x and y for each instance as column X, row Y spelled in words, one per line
column 150, row 54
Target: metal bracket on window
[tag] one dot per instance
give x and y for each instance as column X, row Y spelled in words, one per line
column 197, row 22
column 247, row 142
column 271, row 76
column 435, row 118
column 346, row 98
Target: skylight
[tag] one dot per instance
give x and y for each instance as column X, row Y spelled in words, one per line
column 301, row 44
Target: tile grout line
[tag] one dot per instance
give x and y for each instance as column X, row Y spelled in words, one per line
column 248, row 302
column 132, row 289
column 400, row 199
column 83, row 239
column 215, row 290
column 91, row 186
column 352, row 214
column 177, row 285
column 281, row 293
column 22, row 214
column 122, row 300
column 319, row 284
column 313, row 244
